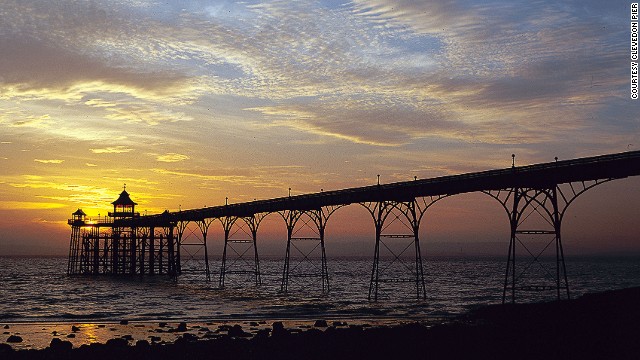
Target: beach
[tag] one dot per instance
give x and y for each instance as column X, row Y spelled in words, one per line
column 601, row 325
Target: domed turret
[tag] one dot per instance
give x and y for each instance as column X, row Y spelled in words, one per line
column 77, row 218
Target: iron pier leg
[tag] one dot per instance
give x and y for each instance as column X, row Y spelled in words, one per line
column 256, row 260
column 171, row 261
column 132, row 252
column 324, row 270
column 375, row 275
column 241, row 235
column 206, row 257
column 227, row 223
column 152, row 255
column 284, row 287
column 406, row 215
column 529, row 205
column 305, row 238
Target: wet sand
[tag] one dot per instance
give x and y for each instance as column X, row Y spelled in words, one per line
column 595, row 326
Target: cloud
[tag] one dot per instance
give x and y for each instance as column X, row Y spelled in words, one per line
column 28, row 205
column 171, row 157
column 120, row 149
column 31, row 67
column 52, row 161
column 380, row 72
column 185, row 174
column 428, row 17
column 145, row 113
column 369, row 124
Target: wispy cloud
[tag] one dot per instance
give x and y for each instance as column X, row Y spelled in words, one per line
column 28, row 205
column 50, row 161
column 172, row 157
column 120, row 149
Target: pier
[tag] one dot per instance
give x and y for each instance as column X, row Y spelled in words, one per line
column 535, row 199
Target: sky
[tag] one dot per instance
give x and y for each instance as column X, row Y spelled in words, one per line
column 191, row 102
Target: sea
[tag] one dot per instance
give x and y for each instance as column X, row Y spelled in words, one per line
column 37, row 289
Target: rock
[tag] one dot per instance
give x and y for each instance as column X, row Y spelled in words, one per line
column 6, row 327
column 14, row 339
column 54, row 333
column 237, row 331
column 60, row 345
column 189, row 337
column 320, row 323
column 5, row 348
column 210, row 335
column 182, row 327
column 117, row 343
column 155, row 338
column 142, row 344
column 262, row 333
column 278, row 329
column 75, row 328
column 127, row 337
column 71, row 336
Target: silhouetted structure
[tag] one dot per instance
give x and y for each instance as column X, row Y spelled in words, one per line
column 535, row 199
column 113, row 245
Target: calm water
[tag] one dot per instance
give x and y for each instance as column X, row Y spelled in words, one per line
column 37, row 290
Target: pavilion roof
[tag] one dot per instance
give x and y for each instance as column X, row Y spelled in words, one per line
column 124, row 199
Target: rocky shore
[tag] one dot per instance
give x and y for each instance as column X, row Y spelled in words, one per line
column 595, row 326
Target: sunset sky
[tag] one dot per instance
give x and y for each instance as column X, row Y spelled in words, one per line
column 189, row 102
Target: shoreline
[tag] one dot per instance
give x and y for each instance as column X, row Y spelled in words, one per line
column 38, row 335
column 596, row 325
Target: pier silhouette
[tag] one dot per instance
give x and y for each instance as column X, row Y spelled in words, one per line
column 125, row 243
